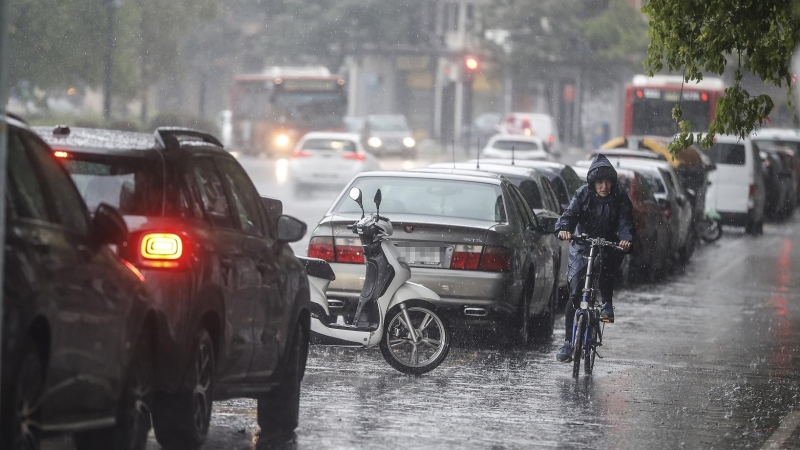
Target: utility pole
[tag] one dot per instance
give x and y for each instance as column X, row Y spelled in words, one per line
column 111, row 6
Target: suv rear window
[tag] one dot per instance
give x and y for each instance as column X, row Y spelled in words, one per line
column 132, row 185
column 428, row 197
column 516, row 145
column 338, row 145
column 727, row 154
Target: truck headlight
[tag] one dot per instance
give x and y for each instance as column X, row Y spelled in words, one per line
column 409, row 142
column 374, row 142
column 282, row 140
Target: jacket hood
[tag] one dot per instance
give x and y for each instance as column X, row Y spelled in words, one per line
column 601, row 161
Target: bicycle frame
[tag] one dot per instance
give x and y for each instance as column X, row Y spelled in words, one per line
column 588, row 306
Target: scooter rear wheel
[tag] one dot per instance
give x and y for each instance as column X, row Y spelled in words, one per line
column 400, row 350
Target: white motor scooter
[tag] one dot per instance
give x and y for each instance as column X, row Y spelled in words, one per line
column 392, row 312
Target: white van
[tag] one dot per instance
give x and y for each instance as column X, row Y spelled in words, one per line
column 736, row 188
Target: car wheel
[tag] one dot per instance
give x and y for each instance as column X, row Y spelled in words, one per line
column 182, row 419
column 133, row 409
column 279, row 409
column 21, row 415
column 520, row 333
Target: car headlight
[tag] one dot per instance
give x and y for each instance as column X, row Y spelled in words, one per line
column 282, row 140
column 409, row 142
column 374, row 142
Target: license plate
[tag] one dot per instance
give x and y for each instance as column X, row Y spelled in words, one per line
column 421, row 256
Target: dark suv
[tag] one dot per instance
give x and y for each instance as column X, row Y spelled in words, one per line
column 214, row 255
column 79, row 326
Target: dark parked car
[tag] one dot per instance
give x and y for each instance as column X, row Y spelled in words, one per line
column 468, row 235
column 215, row 256
column 650, row 255
column 780, row 179
column 562, row 177
column 79, row 327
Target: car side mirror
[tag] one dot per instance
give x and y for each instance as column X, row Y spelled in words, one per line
column 547, row 225
column 108, row 226
column 691, row 193
column 290, row 229
column 680, row 199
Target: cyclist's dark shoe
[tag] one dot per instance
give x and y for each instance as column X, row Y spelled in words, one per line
column 607, row 313
column 565, row 354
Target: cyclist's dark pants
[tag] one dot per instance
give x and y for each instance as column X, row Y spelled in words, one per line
column 605, row 284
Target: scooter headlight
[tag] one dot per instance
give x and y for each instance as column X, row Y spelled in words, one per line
column 584, row 305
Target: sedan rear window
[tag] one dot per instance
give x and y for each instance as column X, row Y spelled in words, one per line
column 329, row 144
column 727, row 154
column 516, row 145
column 428, row 197
column 132, row 185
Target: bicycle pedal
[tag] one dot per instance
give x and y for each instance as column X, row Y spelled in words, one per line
column 606, row 320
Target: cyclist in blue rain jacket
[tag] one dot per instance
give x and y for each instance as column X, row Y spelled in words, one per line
column 601, row 210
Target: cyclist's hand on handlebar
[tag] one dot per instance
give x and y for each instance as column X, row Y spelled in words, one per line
column 564, row 235
column 625, row 245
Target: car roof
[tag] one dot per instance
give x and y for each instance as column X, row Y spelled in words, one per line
column 501, row 169
column 104, row 141
column 777, row 133
column 330, row 135
column 443, row 174
column 514, row 137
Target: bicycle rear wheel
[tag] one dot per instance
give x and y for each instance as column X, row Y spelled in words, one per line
column 577, row 346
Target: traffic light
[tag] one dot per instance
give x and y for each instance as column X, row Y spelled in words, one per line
column 470, row 67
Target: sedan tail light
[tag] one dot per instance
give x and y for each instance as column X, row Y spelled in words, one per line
column 496, row 259
column 354, row 156
column 342, row 250
column 321, row 247
column 466, row 257
column 349, row 250
column 301, row 154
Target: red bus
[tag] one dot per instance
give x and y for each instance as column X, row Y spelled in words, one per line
column 273, row 109
column 649, row 102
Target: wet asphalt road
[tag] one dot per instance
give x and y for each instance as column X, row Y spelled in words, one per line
column 703, row 359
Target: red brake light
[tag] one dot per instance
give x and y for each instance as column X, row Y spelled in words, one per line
column 752, row 190
column 466, row 257
column 349, row 250
column 496, row 259
column 704, row 97
column 300, row 154
column 551, row 138
column 355, row 156
column 321, row 247
column 161, row 250
column 639, row 94
column 60, row 154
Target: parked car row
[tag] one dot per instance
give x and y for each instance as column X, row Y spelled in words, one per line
column 144, row 279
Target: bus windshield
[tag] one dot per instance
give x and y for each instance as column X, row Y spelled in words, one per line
column 654, row 115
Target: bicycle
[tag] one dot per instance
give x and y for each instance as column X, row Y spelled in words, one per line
column 587, row 334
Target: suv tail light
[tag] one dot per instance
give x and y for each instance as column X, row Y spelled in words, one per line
column 496, row 259
column 752, row 193
column 354, row 156
column 161, row 250
column 466, row 257
column 349, row 250
column 321, row 247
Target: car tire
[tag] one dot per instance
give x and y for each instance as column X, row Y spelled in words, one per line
column 22, row 392
column 520, row 334
column 133, row 409
column 279, row 409
column 182, row 419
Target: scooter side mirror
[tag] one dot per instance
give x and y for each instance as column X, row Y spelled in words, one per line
column 355, row 194
column 377, row 201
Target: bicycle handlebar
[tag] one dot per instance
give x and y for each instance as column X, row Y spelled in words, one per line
column 596, row 241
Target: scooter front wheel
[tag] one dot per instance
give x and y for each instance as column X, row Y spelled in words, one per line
column 420, row 355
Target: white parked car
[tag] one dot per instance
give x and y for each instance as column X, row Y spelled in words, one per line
column 511, row 146
column 328, row 160
column 736, row 188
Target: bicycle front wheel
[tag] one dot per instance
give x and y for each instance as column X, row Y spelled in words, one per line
column 588, row 352
column 577, row 346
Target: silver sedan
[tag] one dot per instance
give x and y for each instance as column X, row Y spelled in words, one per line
column 467, row 235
